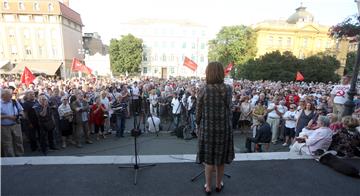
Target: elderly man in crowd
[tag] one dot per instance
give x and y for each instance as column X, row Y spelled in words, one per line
column 11, row 136
column 319, row 138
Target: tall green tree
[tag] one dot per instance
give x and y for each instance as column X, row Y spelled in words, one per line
column 233, row 44
column 350, row 62
column 320, row 68
column 271, row 66
column 278, row 66
column 126, row 54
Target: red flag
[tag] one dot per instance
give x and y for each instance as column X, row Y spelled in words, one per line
column 77, row 65
column 27, row 77
column 299, row 76
column 228, row 69
column 86, row 70
column 190, row 64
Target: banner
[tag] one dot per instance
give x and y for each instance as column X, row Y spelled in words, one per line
column 77, row 65
column 27, row 77
column 190, row 64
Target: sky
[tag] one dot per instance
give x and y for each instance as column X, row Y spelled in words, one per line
column 105, row 16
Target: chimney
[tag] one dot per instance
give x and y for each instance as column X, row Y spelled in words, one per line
column 66, row 2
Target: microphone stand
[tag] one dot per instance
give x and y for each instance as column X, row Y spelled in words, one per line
column 135, row 132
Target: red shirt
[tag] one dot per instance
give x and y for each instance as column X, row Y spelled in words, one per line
column 97, row 117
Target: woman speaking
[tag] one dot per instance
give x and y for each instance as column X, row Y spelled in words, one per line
column 215, row 143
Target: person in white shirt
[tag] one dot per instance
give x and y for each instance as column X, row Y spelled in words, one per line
column 153, row 124
column 319, row 139
column 274, row 113
column 339, row 95
column 153, row 99
column 135, row 98
column 290, row 123
column 176, row 110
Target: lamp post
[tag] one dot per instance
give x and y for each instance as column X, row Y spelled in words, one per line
column 349, row 104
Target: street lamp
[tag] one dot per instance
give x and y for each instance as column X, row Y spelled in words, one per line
column 349, row 104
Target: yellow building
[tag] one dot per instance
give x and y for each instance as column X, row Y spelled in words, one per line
column 300, row 35
column 43, row 35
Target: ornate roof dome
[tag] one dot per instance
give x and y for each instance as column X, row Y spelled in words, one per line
column 301, row 15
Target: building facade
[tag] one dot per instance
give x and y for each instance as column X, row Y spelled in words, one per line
column 44, row 35
column 93, row 44
column 300, row 35
column 166, row 43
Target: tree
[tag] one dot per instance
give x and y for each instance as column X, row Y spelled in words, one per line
column 320, row 68
column 283, row 67
column 233, row 44
column 126, row 54
column 350, row 62
column 271, row 66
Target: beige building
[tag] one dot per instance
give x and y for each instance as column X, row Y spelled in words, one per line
column 44, row 35
column 299, row 34
column 166, row 43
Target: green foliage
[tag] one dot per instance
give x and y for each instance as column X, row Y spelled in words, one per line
column 350, row 62
column 233, row 44
column 126, row 54
column 283, row 67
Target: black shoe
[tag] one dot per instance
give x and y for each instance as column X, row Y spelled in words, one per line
column 218, row 190
column 54, row 148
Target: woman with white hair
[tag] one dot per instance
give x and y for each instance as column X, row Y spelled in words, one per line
column 320, row 138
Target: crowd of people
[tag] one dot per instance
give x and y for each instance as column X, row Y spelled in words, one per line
column 53, row 113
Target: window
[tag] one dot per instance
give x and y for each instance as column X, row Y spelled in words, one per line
column 318, row 43
column 155, row 44
column 53, row 19
column 202, row 58
column 36, row 6
column 24, row 18
column 144, row 70
column 288, row 42
column 39, row 19
column 327, row 44
column 202, row 46
column 172, row 70
column 280, row 41
column 9, row 18
column 6, row 5
column 21, row 5
column 193, row 45
column 13, row 50
column 203, row 33
column 193, row 57
column 163, row 58
column 54, row 51
column 40, row 34
column 50, row 7
column 41, row 50
column 172, row 44
column 270, row 40
column 184, row 45
column 172, row 57
column 144, row 56
column 164, row 44
column 155, row 57
column 337, row 45
column 305, row 43
column 26, row 34
column 27, row 50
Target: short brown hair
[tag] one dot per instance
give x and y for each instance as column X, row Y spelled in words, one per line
column 214, row 73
